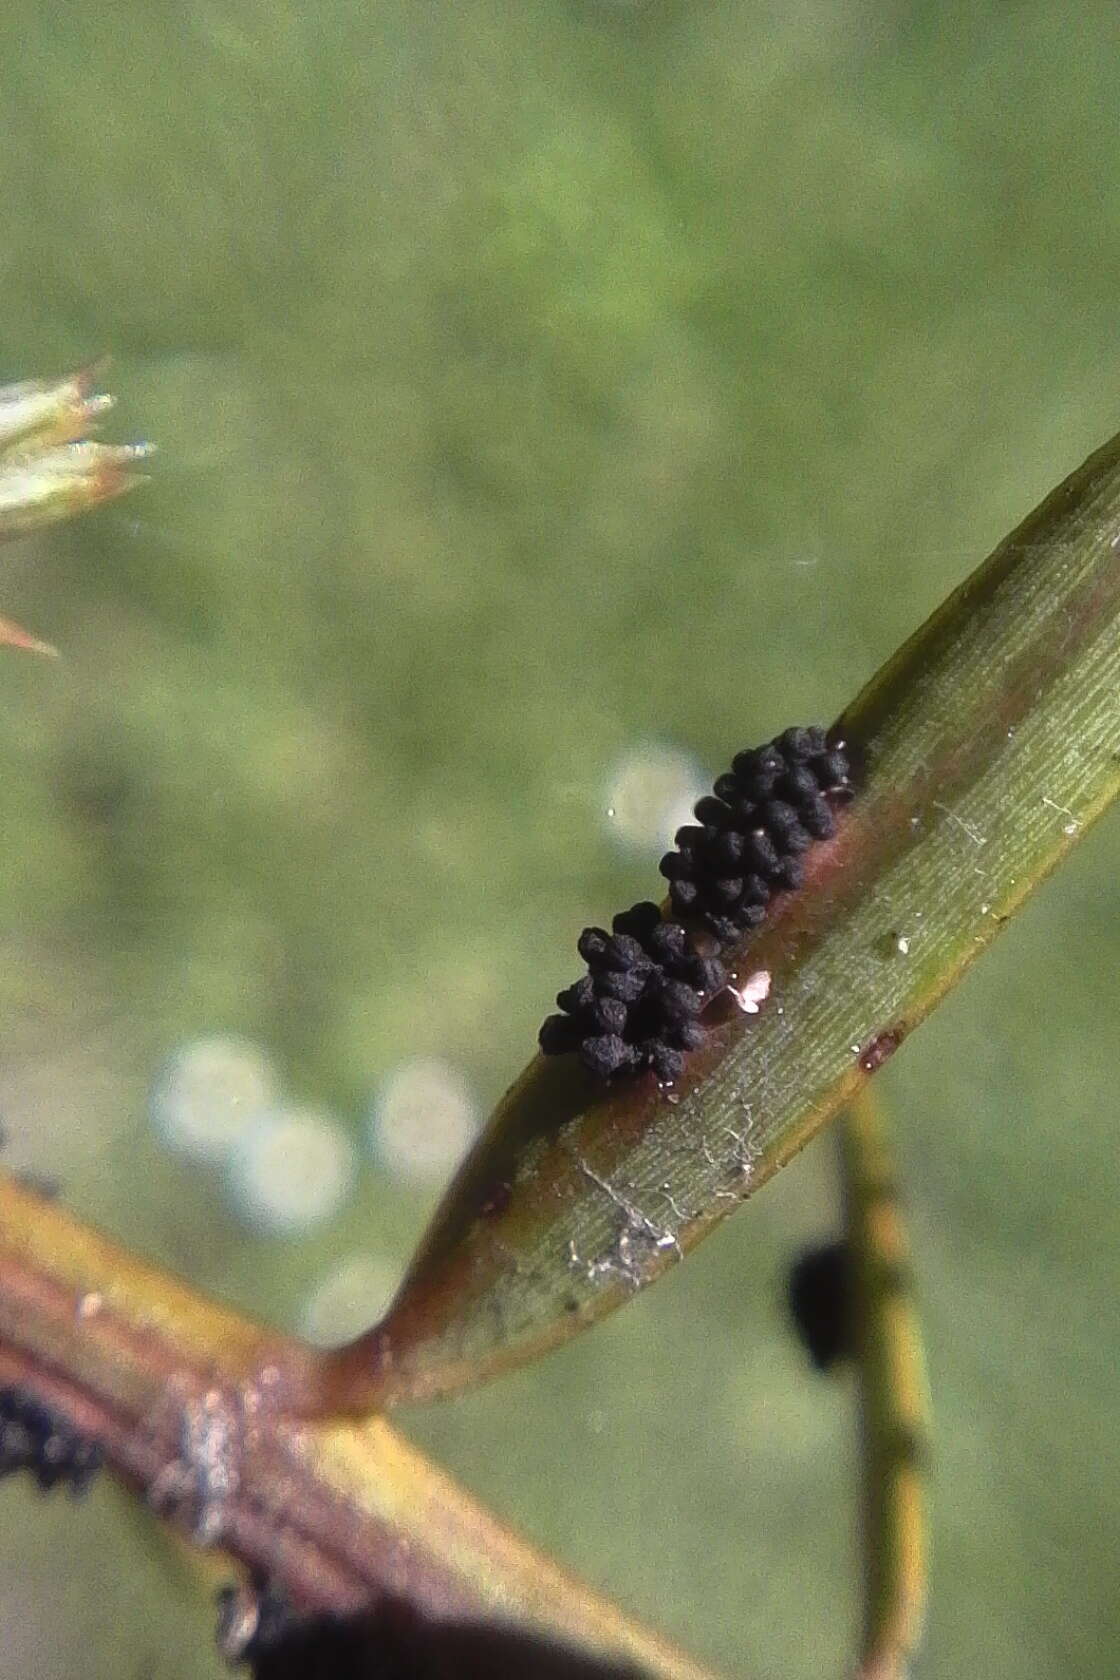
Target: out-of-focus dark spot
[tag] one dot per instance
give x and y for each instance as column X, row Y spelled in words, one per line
column 392, row 1641
column 893, row 1277
column 497, row 1200
column 32, row 1438
column 820, row 1303
column 95, row 785
column 909, row 1448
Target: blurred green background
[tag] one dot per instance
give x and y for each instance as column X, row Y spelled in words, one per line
column 531, row 381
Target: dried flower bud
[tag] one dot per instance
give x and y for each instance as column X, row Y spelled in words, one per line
column 44, row 485
column 49, row 468
column 39, row 413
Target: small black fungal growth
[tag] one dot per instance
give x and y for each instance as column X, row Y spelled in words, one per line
column 638, row 1005
column 820, row 1303
column 751, row 831
column 32, row 1438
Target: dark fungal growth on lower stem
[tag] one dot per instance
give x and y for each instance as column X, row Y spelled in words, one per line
column 32, row 1438
column 638, row 1005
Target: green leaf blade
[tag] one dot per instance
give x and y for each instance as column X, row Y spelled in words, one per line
column 988, row 746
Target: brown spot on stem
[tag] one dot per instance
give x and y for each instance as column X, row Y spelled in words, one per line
column 881, row 1048
column 498, row 1200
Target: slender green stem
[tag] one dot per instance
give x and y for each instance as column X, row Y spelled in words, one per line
column 894, row 1412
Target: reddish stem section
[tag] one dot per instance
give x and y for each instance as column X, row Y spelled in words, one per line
column 191, row 1406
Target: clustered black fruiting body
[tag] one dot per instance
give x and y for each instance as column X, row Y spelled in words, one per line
column 638, row 1005
column 752, row 829
column 32, row 1438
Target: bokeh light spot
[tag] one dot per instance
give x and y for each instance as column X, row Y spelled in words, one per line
column 422, row 1119
column 351, row 1297
column 290, row 1171
column 650, row 794
column 209, row 1092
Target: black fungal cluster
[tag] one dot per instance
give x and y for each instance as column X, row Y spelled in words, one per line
column 638, row 1005
column 31, row 1438
column 751, row 832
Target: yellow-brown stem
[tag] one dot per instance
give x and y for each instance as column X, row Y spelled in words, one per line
column 188, row 1401
column 893, row 1406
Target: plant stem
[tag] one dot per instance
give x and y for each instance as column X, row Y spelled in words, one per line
column 988, row 747
column 187, row 1401
column 892, row 1389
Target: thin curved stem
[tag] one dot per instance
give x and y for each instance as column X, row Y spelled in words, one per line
column 894, row 1412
